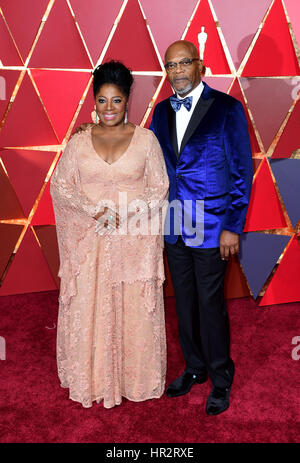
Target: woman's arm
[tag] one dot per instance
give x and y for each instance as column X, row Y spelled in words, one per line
column 65, row 185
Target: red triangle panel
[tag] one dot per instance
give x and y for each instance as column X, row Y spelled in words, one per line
column 177, row 18
column 168, row 286
column 214, row 56
column 131, row 42
column 22, row 165
column 219, row 83
column 273, row 53
column 256, row 163
column 8, row 52
column 11, row 207
column 164, row 93
column 89, row 15
column 48, row 239
column 44, row 215
column 8, row 80
column 9, row 234
column 265, row 211
column 289, row 140
column 60, row 44
column 28, row 271
column 143, row 90
column 235, row 281
column 239, row 21
column 60, row 92
column 86, row 110
column 284, row 286
column 27, row 123
column 24, row 19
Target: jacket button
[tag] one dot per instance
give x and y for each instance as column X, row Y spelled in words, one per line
column 179, row 175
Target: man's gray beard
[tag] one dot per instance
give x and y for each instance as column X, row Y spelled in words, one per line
column 187, row 89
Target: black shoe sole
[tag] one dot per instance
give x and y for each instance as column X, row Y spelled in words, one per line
column 217, row 413
column 178, row 394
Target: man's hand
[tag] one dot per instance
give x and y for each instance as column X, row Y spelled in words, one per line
column 84, row 127
column 229, row 244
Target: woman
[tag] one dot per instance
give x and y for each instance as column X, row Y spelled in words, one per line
column 111, row 331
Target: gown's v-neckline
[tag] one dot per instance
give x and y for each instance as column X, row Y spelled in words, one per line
column 122, row 155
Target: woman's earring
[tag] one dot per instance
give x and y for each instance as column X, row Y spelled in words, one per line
column 125, row 118
column 94, row 116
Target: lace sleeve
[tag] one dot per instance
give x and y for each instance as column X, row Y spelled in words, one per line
column 156, row 177
column 65, row 185
column 156, row 181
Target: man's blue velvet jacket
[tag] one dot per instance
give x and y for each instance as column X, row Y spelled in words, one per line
column 214, row 166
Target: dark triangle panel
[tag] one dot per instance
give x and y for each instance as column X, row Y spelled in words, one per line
column 236, row 92
column 287, row 176
column 259, row 253
column 269, row 101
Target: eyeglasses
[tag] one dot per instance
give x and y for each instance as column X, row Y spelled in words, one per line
column 184, row 63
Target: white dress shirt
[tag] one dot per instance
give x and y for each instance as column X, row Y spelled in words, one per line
column 183, row 116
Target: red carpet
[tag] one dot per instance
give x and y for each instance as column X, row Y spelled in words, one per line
column 264, row 398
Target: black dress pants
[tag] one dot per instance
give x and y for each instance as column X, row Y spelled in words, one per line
column 198, row 280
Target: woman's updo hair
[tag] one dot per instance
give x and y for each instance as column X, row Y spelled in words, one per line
column 112, row 72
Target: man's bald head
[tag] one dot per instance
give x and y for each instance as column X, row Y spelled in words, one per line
column 183, row 66
column 182, row 45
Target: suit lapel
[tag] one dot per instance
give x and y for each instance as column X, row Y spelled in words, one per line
column 199, row 112
column 172, row 128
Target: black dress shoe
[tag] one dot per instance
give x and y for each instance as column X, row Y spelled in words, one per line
column 183, row 384
column 218, row 400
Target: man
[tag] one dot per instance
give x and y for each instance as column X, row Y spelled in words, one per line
column 204, row 136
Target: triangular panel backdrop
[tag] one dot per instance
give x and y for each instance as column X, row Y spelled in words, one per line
column 48, row 49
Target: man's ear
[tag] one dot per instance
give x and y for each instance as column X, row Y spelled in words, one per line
column 202, row 68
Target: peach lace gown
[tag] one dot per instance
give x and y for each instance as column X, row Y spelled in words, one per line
column 111, row 329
